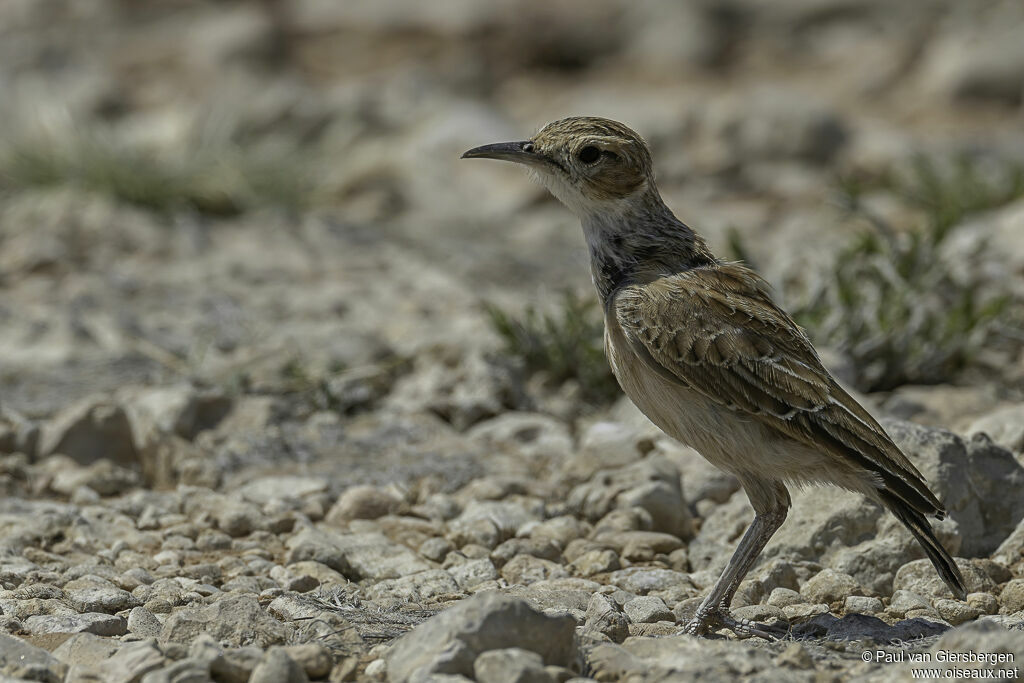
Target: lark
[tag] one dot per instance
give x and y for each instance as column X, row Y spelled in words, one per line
column 698, row 344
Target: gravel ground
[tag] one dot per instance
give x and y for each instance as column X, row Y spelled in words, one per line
column 248, row 440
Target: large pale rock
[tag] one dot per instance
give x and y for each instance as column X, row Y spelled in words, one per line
column 701, row 479
column 679, row 658
column 1011, row 600
column 92, row 593
column 644, row 580
column 418, row 588
column 22, row 661
column 653, row 485
column 721, row 531
column 234, row 620
column 131, row 662
column 90, row 622
column 1003, row 227
column 830, row 586
column 491, row 522
column 450, row 642
column 526, row 569
column 822, row 520
column 357, row 556
column 605, row 617
column 647, row 609
column 1011, row 550
column 472, row 573
column 510, row 664
column 980, row 483
column 607, row 445
column 973, row 64
column 179, row 409
column 85, row 652
column 531, row 434
column 463, row 391
column 103, row 476
column 976, row 638
column 1004, row 426
column 89, row 430
column 282, row 487
column 874, row 562
column 364, row 502
column 557, row 596
column 278, row 667
column 921, row 578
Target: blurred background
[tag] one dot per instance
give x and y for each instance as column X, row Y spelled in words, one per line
column 262, row 201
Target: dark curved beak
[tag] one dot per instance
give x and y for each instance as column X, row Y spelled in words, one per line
column 521, row 152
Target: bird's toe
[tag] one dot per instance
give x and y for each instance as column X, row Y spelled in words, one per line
column 704, row 624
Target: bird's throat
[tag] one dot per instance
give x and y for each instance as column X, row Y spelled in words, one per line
column 637, row 242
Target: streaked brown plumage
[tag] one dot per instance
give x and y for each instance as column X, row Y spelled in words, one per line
column 700, row 347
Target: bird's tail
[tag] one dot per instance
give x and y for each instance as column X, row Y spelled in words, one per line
column 918, row 525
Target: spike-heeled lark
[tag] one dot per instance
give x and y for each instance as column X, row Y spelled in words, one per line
column 700, row 347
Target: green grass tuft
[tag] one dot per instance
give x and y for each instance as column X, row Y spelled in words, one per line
column 221, row 180
column 904, row 308
column 563, row 343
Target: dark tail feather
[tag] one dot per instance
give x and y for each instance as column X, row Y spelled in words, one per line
column 918, row 525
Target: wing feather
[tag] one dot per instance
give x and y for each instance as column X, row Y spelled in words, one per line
column 731, row 343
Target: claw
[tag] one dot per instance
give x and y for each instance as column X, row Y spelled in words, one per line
column 704, row 623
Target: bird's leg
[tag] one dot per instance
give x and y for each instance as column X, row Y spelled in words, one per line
column 714, row 611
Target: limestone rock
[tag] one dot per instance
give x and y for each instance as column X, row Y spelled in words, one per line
column 605, row 616
column 652, row 484
column 510, row 665
column 19, row 660
column 860, row 604
column 278, row 667
column 357, row 556
column 970, row 478
column 91, row 593
column 364, row 502
column 1011, row 600
column 421, row 587
column 90, row 622
column 1004, row 426
column 830, row 586
column 920, row 577
column 234, row 620
column 450, row 642
column 647, row 609
column 91, row 429
column 132, row 662
column 531, row 434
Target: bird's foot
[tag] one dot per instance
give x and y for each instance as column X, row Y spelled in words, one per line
column 705, row 622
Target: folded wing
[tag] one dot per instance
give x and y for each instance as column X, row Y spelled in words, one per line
column 734, row 345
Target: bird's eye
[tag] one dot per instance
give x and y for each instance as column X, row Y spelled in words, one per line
column 528, row 147
column 589, row 154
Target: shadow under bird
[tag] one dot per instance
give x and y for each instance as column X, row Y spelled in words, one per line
column 700, row 347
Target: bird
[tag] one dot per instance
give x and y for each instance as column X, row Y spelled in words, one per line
column 702, row 349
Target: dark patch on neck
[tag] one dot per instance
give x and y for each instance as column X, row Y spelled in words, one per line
column 639, row 262
column 609, row 275
column 642, row 246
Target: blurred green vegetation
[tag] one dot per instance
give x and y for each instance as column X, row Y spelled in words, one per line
column 218, row 179
column 897, row 300
column 562, row 342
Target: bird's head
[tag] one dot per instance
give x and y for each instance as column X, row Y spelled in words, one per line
column 590, row 164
